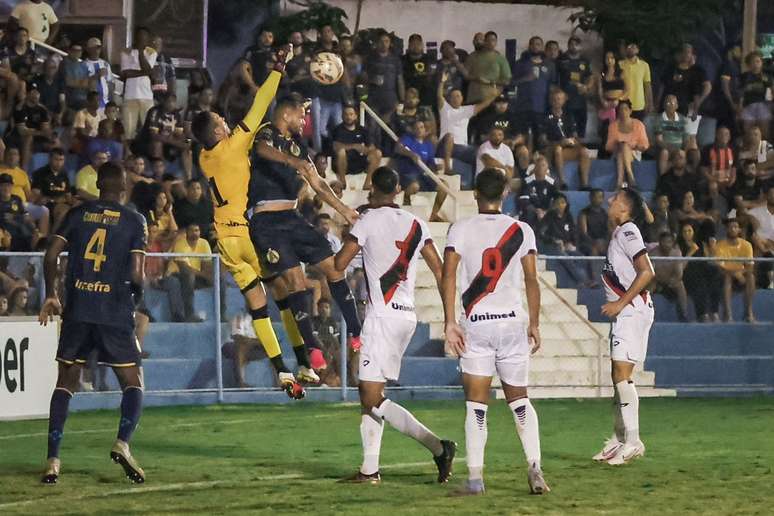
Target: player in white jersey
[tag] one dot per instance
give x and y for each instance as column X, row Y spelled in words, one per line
column 391, row 240
column 497, row 255
column 626, row 275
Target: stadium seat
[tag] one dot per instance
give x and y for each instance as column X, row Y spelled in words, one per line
column 706, row 134
column 38, row 159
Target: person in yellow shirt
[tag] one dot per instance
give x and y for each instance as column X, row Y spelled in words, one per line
column 224, row 160
column 21, row 181
column 737, row 274
column 86, row 178
column 185, row 274
column 636, row 76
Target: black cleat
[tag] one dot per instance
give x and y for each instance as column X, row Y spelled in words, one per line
column 445, row 461
column 51, row 476
column 120, row 455
column 362, row 478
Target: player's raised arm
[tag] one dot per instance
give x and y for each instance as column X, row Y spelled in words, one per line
column 309, row 172
column 347, row 252
column 266, row 93
column 454, row 338
column 529, row 265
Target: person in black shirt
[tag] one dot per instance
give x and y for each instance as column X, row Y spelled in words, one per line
column 593, row 233
column 687, row 81
column 31, row 130
column 404, row 121
column 575, row 80
column 498, row 116
column 261, row 56
column 559, row 137
column 21, row 57
column 538, row 192
column 298, row 78
column 163, row 135
column 354, row 151
column 51, row 86
column 754, row 83
column 450, row 66
column 749, row 187
column 51, row 186
column 384, row 76
column 103, row 284
column 678, row 180
column 195, row 208
column 13, row 217
column 327, row 106
column 419, row 69
column 730, row 72
column 556, row 235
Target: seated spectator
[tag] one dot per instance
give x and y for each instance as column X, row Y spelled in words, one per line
column 76, row 75
column 763, row 238
column 163, row 135
column 626, row 140
column 51, row 187
column 610, row 90
column 593, row 234
column 668, row 280
column 404, row 119
column 737, row 275
column 31, row 127
column 678, row 180
column 51, row 86
column 14, row 218
column 747, row 223
column 717, row 160
column 18, row 299
column 104, row 142
column 205, row 101
column 3, row 300
column 86, row 178
column 714, row 203
column 411, row 150
column 687, row 211
column 498, row 115
column 247, row 347
column 493, row 153
column 454, row 118
column 323, row 223
column 328, row 331
column 354, row 150
column 664, row 219
column 184, row 275
column 540, row 191
column 161, row 215
column 195, row 208
column 113, row 113
column 749, row 187
column 755, row 148
column 10, row 166
column 87, row 120
column 557, row 236
column 702, row 279
column 672, row 133
column 20, row 56
column 754, row 84
column 559, row 136
column 99, row 72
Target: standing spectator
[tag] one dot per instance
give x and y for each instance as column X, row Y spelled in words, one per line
column 701, row 279
column 87, row 120
column 76, row 76
column 493, row 153
column 730, row 73
column 86, row 178
column 636, row 75
column 199, row 81
column 737, row 274
column 419, row 69
column 678, row 180
column 764, row 236
column 451, row 66
column 593, row 234
column 204, row 102
column 755, row 102
column 404, row 119
column 717, row 160
column 31, row 127
column 626, row 140
column 261, row 56
column 52, row 90
column 163, row 76
column 671, row 133
column 664, row 219
column 353, row 67
column 611, row 88
column 195, row 208
column 668, row 280
column 137, row 65
column 384, row 76
column 299, row 78
column 184, row 275
column 559, row 134
column 38, row 18
column 575, row 79
column 412, row 149
column 687, row 81
column 99, row 71
column 163, row 135
column 20, row 56
column 354, row 151
column 533, row 75
column 488, row 71
column 327, row 108
column 553, row 52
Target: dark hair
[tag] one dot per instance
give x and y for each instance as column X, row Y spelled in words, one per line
column 107, row 175
column 575, row 39
column 552, row 42
column 201, row 127
column 534, row 38
column 385, row 180
column 192, row 182
column 730, row 220
column 291, row 101
column 636, row 206
column 624, row 102
column 92, row 94
column 490, row 184
column 155, row 160
column 665, row 234
column 747, row 162
column 490, row 33
column 111, row 104
column 595, row 191
column 58, row 151
column 141, row 28
column 414, row 37
column 749, row 57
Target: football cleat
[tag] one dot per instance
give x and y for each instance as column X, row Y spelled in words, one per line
column 291, row 387
column 470, row 488
column 537, row 485
column 317, row 359
column 445, row 461
column 120, row 455
column 355, row 344
column 362, row 478
column 307, row 375
column 609, row 450
column 627, row 453
column 51, row 475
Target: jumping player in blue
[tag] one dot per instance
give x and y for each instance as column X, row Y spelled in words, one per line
column 105, row 242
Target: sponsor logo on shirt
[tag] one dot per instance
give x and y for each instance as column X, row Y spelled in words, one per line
column 401, row 308
column 486, row 316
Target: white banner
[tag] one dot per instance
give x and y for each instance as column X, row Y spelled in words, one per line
column 27, row 367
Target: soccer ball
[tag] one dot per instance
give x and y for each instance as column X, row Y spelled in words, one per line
column 326, row 68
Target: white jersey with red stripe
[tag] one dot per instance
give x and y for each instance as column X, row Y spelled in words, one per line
column 391, row 239
column 618, row 274
column 491, row 246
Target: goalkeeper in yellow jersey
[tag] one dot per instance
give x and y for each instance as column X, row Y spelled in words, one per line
column 224, row 160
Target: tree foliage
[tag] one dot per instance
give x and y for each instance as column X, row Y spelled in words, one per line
column 316, row 15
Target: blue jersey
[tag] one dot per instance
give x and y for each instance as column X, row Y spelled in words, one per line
column 101, row 237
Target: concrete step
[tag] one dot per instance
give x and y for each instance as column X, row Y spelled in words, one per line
column 582, row 378
column 569, row 348
column 590, row 392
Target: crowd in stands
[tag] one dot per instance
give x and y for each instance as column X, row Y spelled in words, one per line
column 451, row 112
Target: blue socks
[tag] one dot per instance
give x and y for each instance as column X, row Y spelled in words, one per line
column 60, row 403
column 131, row 408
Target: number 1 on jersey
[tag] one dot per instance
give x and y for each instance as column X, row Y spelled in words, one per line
column 95, row 249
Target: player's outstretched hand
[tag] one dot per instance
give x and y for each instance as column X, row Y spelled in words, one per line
column 533, row 332
column 455, row 341
column 50, row 308
column 283, row 56
column 612, row 309
column 351, row 215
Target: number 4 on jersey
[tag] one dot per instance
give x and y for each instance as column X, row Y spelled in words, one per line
column 95, row 249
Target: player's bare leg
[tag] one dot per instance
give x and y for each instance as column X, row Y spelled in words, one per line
column 341, row 293
column 66, row 384
column 130, row 379
column 629, row 404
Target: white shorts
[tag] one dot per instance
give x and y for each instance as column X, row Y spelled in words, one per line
column 629, row 333
column 384, row 340
column 500, row 348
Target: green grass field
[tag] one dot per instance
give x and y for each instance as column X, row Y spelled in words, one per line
column 703, row 456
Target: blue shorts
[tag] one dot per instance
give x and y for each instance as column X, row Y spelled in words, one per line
column 409, row 173
column 116, row 346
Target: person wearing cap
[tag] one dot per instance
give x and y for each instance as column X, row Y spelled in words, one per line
column 38, row 18
column 496, row 116
column 77, row 80
column 637, row 81
column 99, row 71
column 13, row 216
column 575, row 79
column 31, row 128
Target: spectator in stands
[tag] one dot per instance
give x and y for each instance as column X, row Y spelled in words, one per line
column 261, row 56
column 163, row 135
column 137, row 63
column 488, row 71
column 540, row 191
column 105, row 143
column 161, row 215
column 672, row 133
column 702, row 279
column 593, row 234
column 450, row 65
column 415, row 148
column 99, row 71
column 668, row 280
column 51, row 87
column 404, row 119
column 87, row 120
column 86, row 179
column 610, row 90
column 763, row 238
column 51, row 186
column 738, row 274
column 559, row 136
column 730, row 73
column 575, row 79
column 384, row 76
column 17, row 302
column 14, row 217
column 247, row 347
column 353, row 67
column 76, row 76
column 557, row 236
column 3, row 299
column 324, row 224
column 20, row 56
column 750, row 187
column 204, row 102
column 755, row 148
column 419, row 70
column 454, row 118
column 687, row 212
column 163, row 76
column 493, row 153
column 717, row 160
column 678, row 180
column 636, row 75
column 553, row 52
column 199, row 80
column 626, row 140
column 756, row 88
column 113, row 113
column 195, row 208
column 687, row 81
column 328, row 331
column 664, row 219
column 31, row 129
column 38, row 18
column 23, row 189
column 354, row 150
column 714, row 203
column 533, row 75
column 184, row 275
column 498, row 115
column 327, row 107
